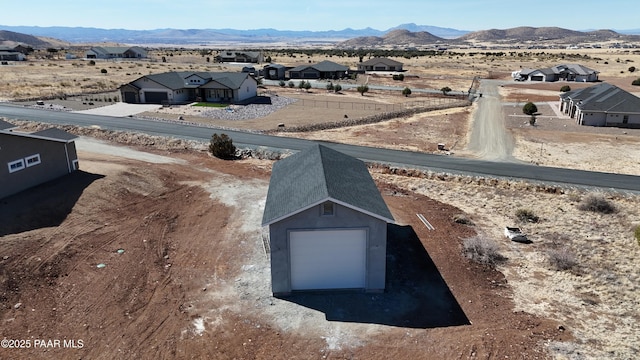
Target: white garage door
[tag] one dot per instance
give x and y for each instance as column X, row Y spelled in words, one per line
column 328, row 259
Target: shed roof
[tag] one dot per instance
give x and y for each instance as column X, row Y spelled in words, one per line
column 318, row 174
column 6, row 125
column 52, row 134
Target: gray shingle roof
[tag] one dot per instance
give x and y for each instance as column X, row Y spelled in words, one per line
column 175, row 80
column 604, row 98
column 378, row 60
column 6, row 126
column 323, row 66
column 55, row 134
column 317, row 174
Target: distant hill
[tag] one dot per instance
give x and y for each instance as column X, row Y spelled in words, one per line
column 36, row 42
column 393, row 38
column 208, row 36
column 525, row 34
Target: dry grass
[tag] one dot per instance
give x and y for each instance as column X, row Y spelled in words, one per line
column 482, row 250
column 599, row 303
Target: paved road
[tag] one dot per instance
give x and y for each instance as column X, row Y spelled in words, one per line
column 489, row 139
column 406, row 158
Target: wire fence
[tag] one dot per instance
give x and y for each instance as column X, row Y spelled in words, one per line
column 364, row 106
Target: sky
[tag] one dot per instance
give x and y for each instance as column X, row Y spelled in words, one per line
column 320, row 15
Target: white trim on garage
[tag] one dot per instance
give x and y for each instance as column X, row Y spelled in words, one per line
column 328, row 259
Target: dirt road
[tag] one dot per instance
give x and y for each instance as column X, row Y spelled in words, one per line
column 488, row 139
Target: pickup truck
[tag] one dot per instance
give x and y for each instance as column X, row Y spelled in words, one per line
column 514, row 234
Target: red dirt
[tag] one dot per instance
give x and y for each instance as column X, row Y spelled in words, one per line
column 142, row 304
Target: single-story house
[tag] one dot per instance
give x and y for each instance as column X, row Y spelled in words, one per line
column 116, row 52
column 274, row 72
column 602, row 105
column 239, row 56
column 183, row 87
column 322, row 70
column 327, row 224
column 11, row 56
column 25, row 50
column 380, row 64
column 564, row 72
column 30, row 159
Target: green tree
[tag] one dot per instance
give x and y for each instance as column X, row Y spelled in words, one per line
column 445, row 90
column 104, row 71
column 565, row 88
column 362, row 89
column 301, row 84
column 221, row 146
column 330, row 86
column 636, row 82
column 632, row 69
column 291, row 84
column 529, row 108
column 337, row 88
column 307, row 86
column 406, row 91
column 281, row 83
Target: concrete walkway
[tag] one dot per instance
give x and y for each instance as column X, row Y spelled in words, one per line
column 120, row 109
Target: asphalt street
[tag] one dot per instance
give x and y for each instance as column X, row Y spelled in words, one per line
column 409, row 159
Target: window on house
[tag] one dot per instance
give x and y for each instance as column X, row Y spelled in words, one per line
column 32, row 160
column 327, row 209
column 16, row 165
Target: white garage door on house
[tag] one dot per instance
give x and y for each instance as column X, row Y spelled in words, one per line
column 328, row 259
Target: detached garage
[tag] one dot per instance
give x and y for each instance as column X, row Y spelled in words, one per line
column 327, row 224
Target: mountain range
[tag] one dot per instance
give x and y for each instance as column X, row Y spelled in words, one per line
column 404, row 34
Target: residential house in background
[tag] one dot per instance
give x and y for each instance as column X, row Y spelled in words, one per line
column 322, row 70
column 183, row 87
column 274, row 72
column 565, row 72
column 239, row 56
column 327, row 224
column 380, row 64
column 30, row 159
column 116, row 52
column 602, row 105
column 12, row 56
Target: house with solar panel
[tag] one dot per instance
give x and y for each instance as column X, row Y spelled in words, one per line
column 602, row 105
column 181, row 87
column 327, row 224
column 30, row 159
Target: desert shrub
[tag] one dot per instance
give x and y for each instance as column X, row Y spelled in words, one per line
column 636, row 82
column 398, row 77
column 529, row 108
column 362, row 89
column 565, row 88
column 337, row 88
column 462, row 219
column 406, row 91
column 562, row 259
column 291, row 84
column 632, row 69
column 330, row 86
column 482, row 250
column 221, row 146
column 92, row 62
column 526, row 215
column 445, row 90
column 104, row 71
column 597, row 203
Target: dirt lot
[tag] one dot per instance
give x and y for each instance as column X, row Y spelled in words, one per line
column 193, row 279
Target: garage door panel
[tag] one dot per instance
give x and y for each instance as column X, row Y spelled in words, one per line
column 328, row 259
column 155, row 97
